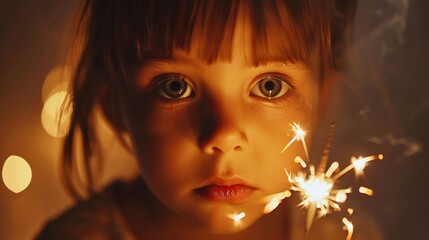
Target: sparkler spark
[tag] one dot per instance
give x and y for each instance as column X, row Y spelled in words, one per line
column 275, row 201
column 236, row 217
column 317, row 191
column 349, row 227
column 299, row 136
column 366, row 191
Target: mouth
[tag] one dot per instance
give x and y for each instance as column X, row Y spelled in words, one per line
column 222, row 191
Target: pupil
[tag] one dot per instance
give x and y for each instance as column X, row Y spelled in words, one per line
column 175, row 86
column 269, row 85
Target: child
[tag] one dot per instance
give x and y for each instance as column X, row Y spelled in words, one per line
column 204, row 92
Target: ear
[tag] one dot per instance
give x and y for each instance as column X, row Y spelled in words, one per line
column 111, row 108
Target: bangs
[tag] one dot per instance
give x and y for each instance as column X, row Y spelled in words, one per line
column 279, row 30
column 124, row 33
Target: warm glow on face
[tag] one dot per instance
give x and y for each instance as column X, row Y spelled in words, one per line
column 16, row 174
column 54, row 121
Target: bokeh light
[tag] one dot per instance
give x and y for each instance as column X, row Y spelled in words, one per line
column 56, row 114
column 16, row 173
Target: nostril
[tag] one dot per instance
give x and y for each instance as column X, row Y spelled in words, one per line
column 238, row 148
column 215, row 150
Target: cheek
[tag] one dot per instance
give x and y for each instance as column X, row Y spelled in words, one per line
column 163, row 143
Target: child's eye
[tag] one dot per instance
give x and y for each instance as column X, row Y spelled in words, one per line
column 270, row 87
column 173, row 87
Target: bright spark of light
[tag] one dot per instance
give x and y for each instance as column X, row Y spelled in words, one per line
column 349, row 228
column 236, row 217
column 350, row 211
column 366, row 191
column 299, row 136
column 358, row 164
column 317, row 189
column 334, row 166
column 275, row 201
column 299, row 160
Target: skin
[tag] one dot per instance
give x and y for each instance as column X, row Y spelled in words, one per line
column 224, row 128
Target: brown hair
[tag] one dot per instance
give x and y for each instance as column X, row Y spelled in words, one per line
column 115, row 35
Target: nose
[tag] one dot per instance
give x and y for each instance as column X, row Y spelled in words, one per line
column 223, row 131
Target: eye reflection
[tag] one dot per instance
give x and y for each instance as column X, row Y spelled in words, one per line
column 173, row 87
column 270, row 87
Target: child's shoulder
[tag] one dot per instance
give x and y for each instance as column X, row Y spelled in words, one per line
column 95, row 218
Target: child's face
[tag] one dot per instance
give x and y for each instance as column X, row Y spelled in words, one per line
column 208, row 137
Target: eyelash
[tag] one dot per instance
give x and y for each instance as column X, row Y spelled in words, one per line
column 283, row 100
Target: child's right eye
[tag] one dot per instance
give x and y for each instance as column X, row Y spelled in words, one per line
column 173, row 86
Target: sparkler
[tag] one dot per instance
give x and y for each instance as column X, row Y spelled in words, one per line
column 317, row 188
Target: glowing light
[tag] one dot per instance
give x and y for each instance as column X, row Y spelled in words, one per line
column 334, row 166
column 275, row 201
column 16, row 174
column 237, row 217
column 350, row 211
column 317, row 190
column 299, row 160
column 349, row 228
column 358, row 164
column 341, row 197
column 55, row 118
column 366, row 191
column 299, row 136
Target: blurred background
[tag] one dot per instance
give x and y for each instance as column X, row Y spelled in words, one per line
column 385, row 109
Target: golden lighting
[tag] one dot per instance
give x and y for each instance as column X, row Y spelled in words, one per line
column 366, row 191
column 55, row 118
column 350, row 211
column 16, row 174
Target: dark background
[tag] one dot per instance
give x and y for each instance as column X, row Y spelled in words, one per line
column 386, row 110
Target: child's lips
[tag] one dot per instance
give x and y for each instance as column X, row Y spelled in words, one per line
column 236, row 193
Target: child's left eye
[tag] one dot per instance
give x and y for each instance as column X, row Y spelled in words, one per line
column 270, row 87
column 173, row 87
